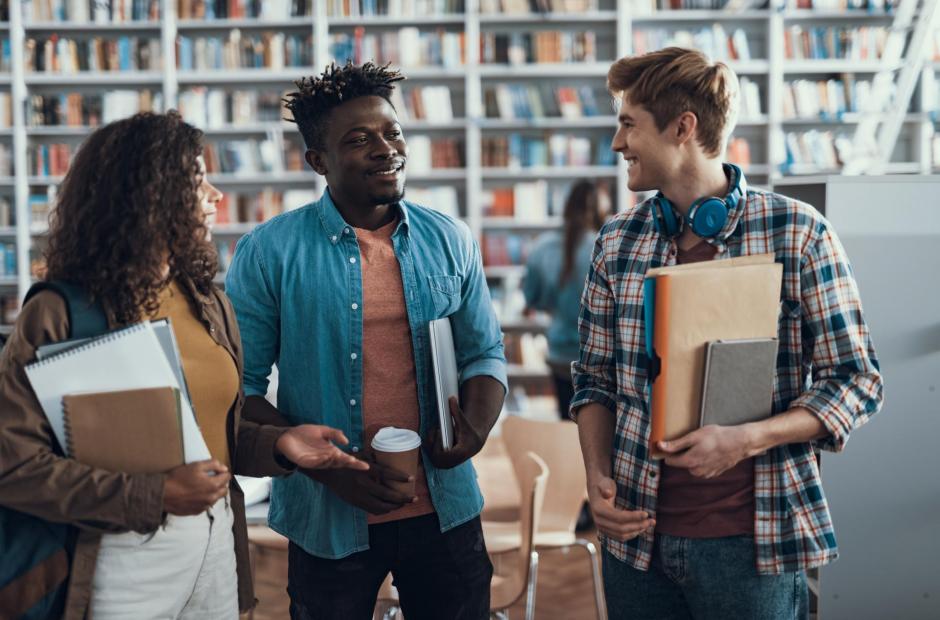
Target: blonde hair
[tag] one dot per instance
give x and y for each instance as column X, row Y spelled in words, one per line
column 674, row 80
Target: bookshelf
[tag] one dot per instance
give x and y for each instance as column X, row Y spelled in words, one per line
column 502, row 107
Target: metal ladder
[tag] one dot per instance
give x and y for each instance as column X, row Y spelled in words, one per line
column 879, row 127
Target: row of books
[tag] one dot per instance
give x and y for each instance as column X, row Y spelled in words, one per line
column 9, row 309
column 392, row 8
column 6, row 160
column 95, row 11
column 516, row 151
column 7, row 212
column 264, row 50
column 827, row 99
column 532, row 201
column 40, row 205
column 55, row 54
column 871, row 6
column 240, row 9
column 76, row 109
column 739, row 152
column 44, row 160
column 750, row 101
column 528, row 201
column 423, row 103
column 713, row 41
column 545, row 100
column 426, row 153
column 7, row 259
column 543, row 46
column 523, row 7
column 834, row 42
column 6, row 110
column 822, row 149
column 256, row 207
column 525, row 349
column 6, row 55
column 441, row 198
column 210, row 108
column 406, row 47
column 272, row 155
column 500, row 248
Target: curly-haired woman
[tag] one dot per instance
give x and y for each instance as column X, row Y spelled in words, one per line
column 131, row 227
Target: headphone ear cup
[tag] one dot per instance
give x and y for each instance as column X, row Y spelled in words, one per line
column 708, row 216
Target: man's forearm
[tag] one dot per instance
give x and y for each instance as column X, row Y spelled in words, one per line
column 482, row 399
column 596, row 431
column 258, row 410
column 797, row 425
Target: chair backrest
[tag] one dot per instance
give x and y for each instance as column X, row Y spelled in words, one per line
column 533, row 476
column 558, row 445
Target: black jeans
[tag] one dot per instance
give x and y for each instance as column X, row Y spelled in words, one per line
column 438, row 575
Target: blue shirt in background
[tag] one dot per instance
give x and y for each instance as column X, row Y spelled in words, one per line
column 562, row 300
column 296, row 285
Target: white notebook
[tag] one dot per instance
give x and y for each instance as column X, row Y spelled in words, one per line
column 126, row 359
column 444, row 361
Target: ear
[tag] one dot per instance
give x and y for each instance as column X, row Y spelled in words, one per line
column 317, row 161
column 686, row 125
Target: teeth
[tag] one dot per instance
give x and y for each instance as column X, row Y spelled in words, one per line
column 388, row 172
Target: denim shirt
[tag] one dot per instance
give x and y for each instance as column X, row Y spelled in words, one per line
column 296, row 285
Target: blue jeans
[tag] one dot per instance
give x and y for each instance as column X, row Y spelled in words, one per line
column 702, row 578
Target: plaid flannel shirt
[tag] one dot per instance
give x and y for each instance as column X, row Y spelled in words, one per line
column 826, row 364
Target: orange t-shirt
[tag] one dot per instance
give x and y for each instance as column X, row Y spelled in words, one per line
column 389, row 381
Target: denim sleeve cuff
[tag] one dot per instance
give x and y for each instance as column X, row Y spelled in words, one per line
column 251, row 390
column 489, row 367
column 145, row 502
column 586, row 396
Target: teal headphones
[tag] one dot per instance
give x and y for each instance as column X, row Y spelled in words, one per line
column 706, row 217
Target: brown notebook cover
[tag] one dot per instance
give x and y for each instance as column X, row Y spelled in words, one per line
column 131, row 431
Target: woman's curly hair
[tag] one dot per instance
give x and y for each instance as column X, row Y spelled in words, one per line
column 128, row 205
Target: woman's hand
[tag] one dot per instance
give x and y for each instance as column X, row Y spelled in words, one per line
column 311, row 446
column 193, row 488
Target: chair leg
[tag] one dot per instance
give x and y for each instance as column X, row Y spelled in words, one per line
column 596, row 573
column 530, row 590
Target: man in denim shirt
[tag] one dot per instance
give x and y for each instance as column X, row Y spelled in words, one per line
column 339, row 294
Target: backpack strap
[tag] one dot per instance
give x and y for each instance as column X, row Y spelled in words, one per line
column 86, row 317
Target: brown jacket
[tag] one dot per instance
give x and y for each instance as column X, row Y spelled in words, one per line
column 36, row 479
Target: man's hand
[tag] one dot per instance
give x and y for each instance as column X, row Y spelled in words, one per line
column 193, row 488
column 615, row 522
column 366, row 489
column 709, row 451
column 310, row 446
column 467, row 442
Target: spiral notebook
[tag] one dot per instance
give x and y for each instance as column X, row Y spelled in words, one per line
column 163, row 328
column 126, row 359
column 130, row 431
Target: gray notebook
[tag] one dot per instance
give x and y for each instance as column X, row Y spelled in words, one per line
column 739, row 381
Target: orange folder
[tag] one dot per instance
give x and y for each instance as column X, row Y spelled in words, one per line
column 695, row 304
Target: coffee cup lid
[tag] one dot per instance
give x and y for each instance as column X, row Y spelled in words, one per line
column 392, row 439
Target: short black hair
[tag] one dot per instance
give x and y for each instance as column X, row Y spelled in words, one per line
column 317, row 96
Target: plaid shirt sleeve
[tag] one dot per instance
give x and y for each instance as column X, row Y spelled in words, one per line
column 595, row 379
column 846, row 384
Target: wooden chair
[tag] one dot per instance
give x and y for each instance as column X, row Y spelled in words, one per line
column 508, row 588
column 557, row 444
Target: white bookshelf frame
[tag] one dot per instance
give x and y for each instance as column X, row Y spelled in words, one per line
column 772, row 71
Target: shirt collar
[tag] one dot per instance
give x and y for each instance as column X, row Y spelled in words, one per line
column 334, row 226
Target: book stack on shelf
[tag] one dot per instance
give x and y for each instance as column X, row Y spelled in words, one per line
column 83, row 11
column 243, row 9
column 405, row 47
column 530, row 7
column 217, row 108
column 253, row 157
column 543, row 46
column 402, row 9
column 244, row 50
column 550, row 149
column 60, row 54
column 85, row 110
column 428, row 103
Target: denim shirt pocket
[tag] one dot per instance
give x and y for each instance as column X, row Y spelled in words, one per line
column 445, row 294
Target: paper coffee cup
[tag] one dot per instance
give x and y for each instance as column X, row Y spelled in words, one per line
column 398, row 448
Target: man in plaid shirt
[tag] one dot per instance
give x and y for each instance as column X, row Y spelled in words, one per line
column 726, row 525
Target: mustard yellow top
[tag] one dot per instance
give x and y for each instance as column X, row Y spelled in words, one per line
column 210, row 371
